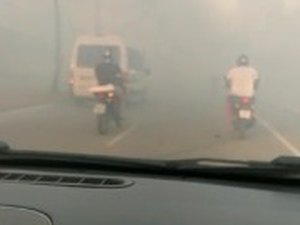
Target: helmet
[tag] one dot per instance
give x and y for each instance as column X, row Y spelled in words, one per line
column 243, row 60
column 107, row 56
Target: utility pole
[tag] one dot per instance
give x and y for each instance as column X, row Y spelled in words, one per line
column 57, row 47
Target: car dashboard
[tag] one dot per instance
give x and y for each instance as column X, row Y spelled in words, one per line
column 95, row 199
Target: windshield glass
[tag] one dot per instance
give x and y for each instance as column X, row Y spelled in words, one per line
column 90, row 55
column 212, row 78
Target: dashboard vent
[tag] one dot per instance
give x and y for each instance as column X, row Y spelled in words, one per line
column 64, row 180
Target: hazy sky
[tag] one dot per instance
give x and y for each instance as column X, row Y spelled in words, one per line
column 170, row 26
column 197, row 33
column 34, row 16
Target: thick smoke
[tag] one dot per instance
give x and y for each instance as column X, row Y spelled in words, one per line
column 189, row 41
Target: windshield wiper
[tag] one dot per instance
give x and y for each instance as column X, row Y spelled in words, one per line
column 281, row 162
column 4, row 147
column 287, row 162
column 214, row 163
column 64, row 160
column 58, row 160
column 285, row 170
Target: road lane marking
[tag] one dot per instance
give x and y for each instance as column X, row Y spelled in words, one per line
column 279, row 137
column 117, row 139
column 22, row 112
column 24, row 109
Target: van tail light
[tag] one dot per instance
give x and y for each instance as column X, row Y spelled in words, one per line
column 71, row 82
column 71, row 78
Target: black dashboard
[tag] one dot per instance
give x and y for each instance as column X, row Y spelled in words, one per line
column 142, row 201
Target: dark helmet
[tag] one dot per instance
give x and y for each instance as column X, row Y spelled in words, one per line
column 243, row 60
column 107, row 55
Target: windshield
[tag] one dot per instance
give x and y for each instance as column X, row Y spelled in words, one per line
column 91, row 55
column 213, row 79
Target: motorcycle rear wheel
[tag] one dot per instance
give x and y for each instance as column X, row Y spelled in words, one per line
column 102, row 124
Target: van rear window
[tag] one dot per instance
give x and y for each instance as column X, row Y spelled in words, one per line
column 91, row 55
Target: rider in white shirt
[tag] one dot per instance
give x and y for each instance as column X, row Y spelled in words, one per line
column 242, row 80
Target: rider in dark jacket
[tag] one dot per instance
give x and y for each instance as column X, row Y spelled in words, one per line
column 108, row 72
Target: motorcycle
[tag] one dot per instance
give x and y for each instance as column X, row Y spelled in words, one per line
column 243, row 115
column 105, row 107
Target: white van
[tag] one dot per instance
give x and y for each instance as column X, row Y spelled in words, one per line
column 87, row 53
column 138, row 77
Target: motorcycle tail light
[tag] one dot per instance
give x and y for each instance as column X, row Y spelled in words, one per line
column 245, row 100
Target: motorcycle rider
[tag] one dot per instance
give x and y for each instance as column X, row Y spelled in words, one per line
column 108, row 72
column 241, row 81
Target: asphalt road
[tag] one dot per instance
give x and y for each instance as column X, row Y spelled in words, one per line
column 184, row 124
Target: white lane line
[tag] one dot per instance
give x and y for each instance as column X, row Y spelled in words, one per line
column 25, row 109
column 23, row 113
column 279, row 137
column 121, row 136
